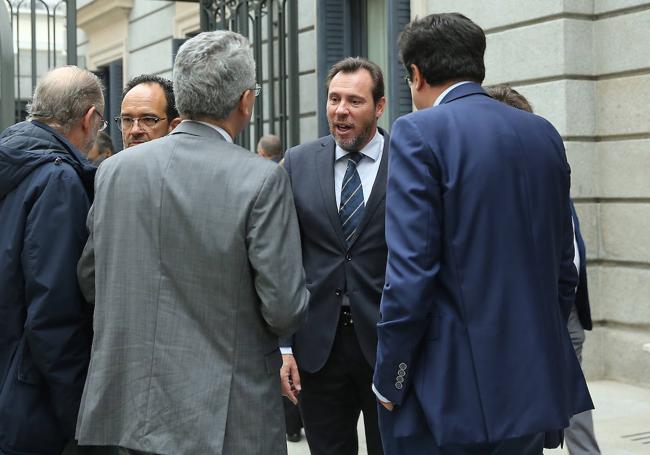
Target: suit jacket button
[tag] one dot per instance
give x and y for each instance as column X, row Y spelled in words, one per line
column 398, row 385
column 348, row 257
column 338, row 293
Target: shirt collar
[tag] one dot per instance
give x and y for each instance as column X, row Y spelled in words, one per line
column 372, row 149
column 221, row 131
column 449, row 89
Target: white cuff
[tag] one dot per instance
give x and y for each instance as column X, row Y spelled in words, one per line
column 284, row 351
column 379, row 395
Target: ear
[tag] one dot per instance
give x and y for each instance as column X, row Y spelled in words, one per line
column 380, row 106
column 246, row 103
column 417, row 79
column 87, row 119
column 173, row 124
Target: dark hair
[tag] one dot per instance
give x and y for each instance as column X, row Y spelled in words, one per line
column 165, row 84
column 509, row 96
column 104, row 142
column 354, row 64
column 444, row 47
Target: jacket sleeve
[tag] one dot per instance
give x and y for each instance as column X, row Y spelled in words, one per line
column 58, row 320
column 86, row 265
column 413, row 236
column 275, row 254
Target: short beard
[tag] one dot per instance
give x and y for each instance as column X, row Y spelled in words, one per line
column 356, row 143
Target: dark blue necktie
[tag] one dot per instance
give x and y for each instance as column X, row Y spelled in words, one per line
column 351, row 208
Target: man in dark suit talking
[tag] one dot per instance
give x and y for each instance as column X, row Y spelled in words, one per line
column 339, row 184
column 473, row 353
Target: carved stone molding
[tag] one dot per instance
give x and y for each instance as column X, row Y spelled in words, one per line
column 105, row 23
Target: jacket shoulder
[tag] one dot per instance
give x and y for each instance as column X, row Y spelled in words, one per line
column 310, row 147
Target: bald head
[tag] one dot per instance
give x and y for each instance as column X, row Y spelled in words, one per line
column 270, row 147
column 64, row 95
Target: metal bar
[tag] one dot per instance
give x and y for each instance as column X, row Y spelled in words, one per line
column 47, row 16
column 8, row 105
column 71, row 31
column 11, row 14
column 54, row 29
column 18, row 97
column 271, row 66
column 294, row 78
column 204, row 15
column 282, row 77
column 34, row 50
column 259, row 73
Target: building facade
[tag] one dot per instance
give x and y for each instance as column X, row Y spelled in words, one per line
column 583, row 64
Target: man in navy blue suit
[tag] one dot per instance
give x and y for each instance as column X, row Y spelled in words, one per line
column 473, row 353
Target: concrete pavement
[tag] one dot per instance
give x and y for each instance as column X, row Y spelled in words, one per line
column 621, row 421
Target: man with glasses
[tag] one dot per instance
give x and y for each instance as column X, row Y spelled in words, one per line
column 148, row 110
column 202, row 237
column 46, row 189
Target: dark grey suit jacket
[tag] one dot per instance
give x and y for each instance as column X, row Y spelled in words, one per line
column 332, row 269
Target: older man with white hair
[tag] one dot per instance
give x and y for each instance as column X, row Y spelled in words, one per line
column 45, row 330
column 194, row 265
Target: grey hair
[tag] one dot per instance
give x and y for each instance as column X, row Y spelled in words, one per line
column 211, row 72
column 64, row 95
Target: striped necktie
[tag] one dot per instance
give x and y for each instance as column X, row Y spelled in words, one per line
column 351, row 208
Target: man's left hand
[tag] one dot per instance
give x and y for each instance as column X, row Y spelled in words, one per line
column 387, row 404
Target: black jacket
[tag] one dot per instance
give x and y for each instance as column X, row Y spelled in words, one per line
column 45, row 325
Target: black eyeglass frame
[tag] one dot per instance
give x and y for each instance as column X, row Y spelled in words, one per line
column 119, row 119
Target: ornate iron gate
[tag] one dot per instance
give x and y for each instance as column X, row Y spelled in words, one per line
column 52, row 11
column 272, row 28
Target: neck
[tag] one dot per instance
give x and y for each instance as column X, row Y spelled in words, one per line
column 226, row 124
column 76, row 137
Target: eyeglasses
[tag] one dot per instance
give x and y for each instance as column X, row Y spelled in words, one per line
column 257, row 89
column 104, row 123
column 145, row 123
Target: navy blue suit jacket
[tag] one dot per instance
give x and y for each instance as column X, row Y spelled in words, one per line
column 480, row 279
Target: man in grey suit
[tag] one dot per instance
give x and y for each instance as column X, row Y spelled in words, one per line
column 339, row 185
column 194, row 265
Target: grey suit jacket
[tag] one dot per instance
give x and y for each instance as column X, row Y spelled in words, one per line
column 194, row 265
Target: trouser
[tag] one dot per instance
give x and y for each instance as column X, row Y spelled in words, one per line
column 332, row 399
column 579, row 436
column 291, row 417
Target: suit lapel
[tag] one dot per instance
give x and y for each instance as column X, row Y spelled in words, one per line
column 324, row 162
column 378, row 192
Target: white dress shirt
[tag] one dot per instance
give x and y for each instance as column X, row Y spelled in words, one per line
column 367, row 167
column 447, row 90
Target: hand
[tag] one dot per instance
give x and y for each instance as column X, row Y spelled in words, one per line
column 387, row 404
column 290, row 378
